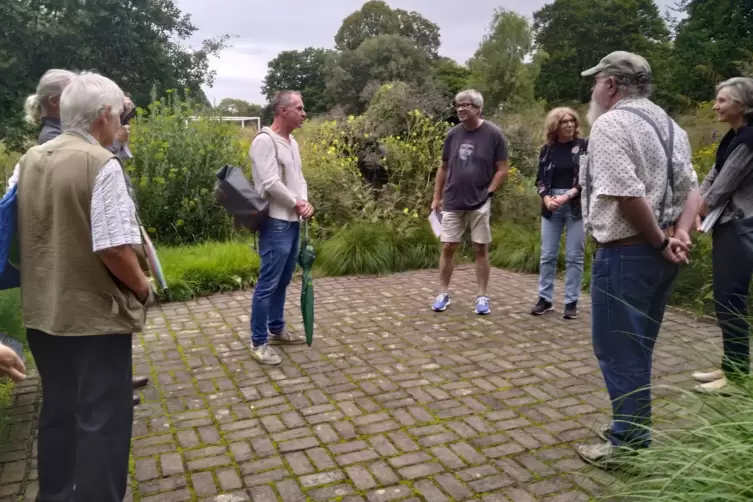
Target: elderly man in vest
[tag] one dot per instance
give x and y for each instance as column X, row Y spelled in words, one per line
column 44, row 108
column 83, row 294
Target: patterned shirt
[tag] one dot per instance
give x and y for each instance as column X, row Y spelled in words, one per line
column 627, row 159
column 113, row 214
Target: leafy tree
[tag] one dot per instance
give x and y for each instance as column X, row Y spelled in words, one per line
column 576, row 34
column 377, row 18
column 450, row 76
column 137, row 43
column 713, row 42
column 239, row 108
column 498, row 68
column 302, row 71
column 354, row 76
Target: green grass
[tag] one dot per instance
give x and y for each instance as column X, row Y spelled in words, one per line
column 365, row 248
column 706, row 458
column 210, row 267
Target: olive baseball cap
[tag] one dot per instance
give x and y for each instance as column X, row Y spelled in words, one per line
column 623, row 64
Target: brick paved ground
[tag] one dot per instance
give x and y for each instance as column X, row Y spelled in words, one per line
column 393, row 402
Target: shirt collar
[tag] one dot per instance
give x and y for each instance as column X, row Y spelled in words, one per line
column 84, row 134
column 51, row 121
column 627, row 101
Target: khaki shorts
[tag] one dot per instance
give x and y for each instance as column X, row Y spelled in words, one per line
column 454, row 224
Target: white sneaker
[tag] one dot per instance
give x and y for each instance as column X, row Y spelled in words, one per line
column 706, row 377
column 712, row 387
column 285, row 337
column 265, row 355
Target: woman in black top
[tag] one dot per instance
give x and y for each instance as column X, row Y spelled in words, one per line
column 557, row 184
column 729, row 187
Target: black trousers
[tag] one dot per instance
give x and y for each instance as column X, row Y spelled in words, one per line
column 732, row 266
column 86, row 417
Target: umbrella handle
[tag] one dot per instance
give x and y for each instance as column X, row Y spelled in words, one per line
column 305, row 232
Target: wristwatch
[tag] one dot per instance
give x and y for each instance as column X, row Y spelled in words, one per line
column 664, row 244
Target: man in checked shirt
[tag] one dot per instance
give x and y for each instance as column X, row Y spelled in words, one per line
column 641, row 199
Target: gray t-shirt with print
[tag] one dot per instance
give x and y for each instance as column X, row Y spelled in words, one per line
column 471, row 158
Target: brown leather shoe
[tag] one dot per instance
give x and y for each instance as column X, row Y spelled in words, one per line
column 140, row 381
column 136, row 400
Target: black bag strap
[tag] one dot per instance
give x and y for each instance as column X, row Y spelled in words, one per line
column 669, row 147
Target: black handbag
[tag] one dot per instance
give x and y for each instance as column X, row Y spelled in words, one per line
column 240, row 198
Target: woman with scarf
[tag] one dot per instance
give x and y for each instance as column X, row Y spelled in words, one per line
column 729, row 185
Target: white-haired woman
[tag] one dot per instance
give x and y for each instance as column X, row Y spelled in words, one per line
column 43, row 108
column 83, row 294
column 729, row 187
column 557, row 184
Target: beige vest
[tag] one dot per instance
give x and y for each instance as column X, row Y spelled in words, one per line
column 65, row 287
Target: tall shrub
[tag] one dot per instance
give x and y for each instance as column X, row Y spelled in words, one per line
column 178, row 148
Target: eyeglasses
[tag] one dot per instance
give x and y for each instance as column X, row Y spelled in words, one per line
column 463, row 106
column 567, row 122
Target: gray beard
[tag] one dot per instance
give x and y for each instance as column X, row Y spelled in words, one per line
column 595, row 110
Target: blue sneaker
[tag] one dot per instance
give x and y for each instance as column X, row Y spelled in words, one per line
column 482, row 305
column 441, row 303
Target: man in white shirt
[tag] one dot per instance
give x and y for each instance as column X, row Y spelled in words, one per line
column 278, row 176
column 641, row 199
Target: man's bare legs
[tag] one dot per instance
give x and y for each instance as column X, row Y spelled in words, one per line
column 447, row 265
column 482, row 267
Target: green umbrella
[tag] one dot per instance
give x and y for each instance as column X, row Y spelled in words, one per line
column 306, row 259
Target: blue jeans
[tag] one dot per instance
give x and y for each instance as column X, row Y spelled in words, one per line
column 278, row 248
column 551, row 232
column 629, row 291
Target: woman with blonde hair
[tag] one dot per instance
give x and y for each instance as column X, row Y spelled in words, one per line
column 557, row 184
column 43, row 108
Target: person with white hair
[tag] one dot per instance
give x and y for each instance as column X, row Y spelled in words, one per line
column 474, row 164
column 641, row 199
column 83, row 294
column 43, row 108
column 729, row 187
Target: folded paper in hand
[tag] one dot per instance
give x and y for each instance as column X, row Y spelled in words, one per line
column 710, row 220
column 435, row 220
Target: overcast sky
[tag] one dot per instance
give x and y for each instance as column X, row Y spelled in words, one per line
column 260, row 29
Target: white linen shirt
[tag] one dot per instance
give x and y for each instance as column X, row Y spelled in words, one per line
column 626, row 159
column 266, row 170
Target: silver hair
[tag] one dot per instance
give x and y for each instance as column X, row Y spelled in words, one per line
column 51, row 85
column 741, row 90
column 86, row 97
column 473, row 95
column 282, row 98
column 630, row 87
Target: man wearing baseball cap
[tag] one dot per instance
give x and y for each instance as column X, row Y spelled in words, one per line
column 640, row 196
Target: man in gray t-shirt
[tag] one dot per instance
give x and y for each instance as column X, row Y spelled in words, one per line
column 474, row 164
